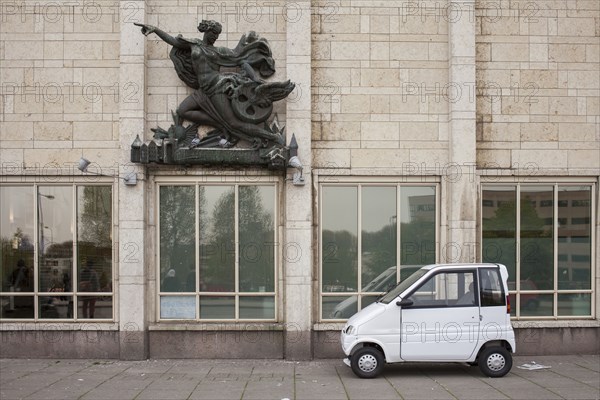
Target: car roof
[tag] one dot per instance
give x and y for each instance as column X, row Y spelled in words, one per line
column 461, row 266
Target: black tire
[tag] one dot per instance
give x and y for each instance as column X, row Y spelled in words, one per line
column 495, row 362
column 367, row 362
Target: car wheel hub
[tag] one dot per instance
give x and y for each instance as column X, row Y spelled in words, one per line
column 496, row 362
column 367, row 363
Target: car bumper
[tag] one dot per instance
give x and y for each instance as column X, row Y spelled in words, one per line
column 348, row 342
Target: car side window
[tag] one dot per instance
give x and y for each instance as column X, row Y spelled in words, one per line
column 446, row 289
column 492, row 292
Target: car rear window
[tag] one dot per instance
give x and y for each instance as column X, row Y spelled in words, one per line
column 492, row 291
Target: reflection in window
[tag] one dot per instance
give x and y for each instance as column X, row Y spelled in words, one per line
column 177, row 237
column 211, row 266
column 543, row 229
column 68, row 217
column 499, row 229
column 371, row 263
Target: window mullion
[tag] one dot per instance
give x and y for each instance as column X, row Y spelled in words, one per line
column 518, row 250
column 75, row 264
column 398, row 233
column 237, row 249
column 36, row 250
column 359, row 249
column 555, row 255
column 197, row 252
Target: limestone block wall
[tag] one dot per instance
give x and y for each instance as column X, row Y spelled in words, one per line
column 165, row 90
column 538, row 73
column 379, row 85
column 60, row 89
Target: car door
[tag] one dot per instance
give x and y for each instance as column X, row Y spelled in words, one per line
column 442, row 324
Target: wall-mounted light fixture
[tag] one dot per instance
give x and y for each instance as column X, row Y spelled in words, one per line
column 294, row 162
column 129, row 179
column 297, row 178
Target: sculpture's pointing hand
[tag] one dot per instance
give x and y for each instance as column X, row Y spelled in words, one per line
column 146, row 29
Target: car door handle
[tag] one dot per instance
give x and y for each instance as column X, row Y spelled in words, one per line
column 480, row 317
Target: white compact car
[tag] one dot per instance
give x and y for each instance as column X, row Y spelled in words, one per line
column 440, row 313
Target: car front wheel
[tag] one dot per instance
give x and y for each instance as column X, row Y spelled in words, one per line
column 367, row 362
column 495, row 361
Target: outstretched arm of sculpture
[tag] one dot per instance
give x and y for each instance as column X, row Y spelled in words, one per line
column 173, row 41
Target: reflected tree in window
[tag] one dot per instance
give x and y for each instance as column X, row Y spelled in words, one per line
column 257, row 238
column 177, row 236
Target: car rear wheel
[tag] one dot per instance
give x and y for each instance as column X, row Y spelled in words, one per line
column 367, row 362
column 495, row 361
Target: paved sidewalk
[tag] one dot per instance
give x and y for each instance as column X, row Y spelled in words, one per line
column 571, row 377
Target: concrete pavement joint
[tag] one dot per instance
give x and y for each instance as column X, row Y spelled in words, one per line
column 439, row 383
column 486, row 381
column 101, row 382
column 294, row 386
column 246, row 385
column 393, row 387
column 545, row 388
column 198, row 384
column 58, row 380
column 576, row 380
column 342, row 382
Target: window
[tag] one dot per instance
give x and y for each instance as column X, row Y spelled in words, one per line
column 552, row 276
column 371, row 237
column 492, row 292
column 446, row 289
column 217, row 252
column 56, row 252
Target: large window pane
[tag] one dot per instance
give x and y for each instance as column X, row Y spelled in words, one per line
column 217, row 239
column 417, row 225
column 16, row 240
column 537, row 305
column 537, row 242
column 217, row 307
column 177, row 307
column 339, row 307
column 575, row 304
column 378, row 236
column 16, row 307
column 55, row 235
column 499, row 228
column 574, row 238
column 94, row 239
column 257, row 307
column 257, row 238
column 339, row 245
column 55, row 307
column 177, row 236
column 97, row 307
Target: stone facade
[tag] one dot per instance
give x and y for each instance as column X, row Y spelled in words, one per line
column 456, row 93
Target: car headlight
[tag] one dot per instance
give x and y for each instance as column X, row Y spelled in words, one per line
column 350, row 330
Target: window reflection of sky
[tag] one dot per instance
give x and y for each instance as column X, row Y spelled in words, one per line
column 341, row 203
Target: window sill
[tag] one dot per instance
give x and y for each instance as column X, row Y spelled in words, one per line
column 329, row 326
column 568, row 323
column 58, row 326
column 216, row 326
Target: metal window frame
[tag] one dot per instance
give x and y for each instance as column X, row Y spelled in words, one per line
column 359, row 183
column 556, row 183
column 73, row 184
column 230, row 181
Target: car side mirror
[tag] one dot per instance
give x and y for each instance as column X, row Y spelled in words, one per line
column 405, row 303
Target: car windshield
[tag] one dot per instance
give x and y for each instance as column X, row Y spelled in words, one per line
column 402, row 286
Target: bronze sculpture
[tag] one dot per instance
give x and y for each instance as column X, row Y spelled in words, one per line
column 236, row 104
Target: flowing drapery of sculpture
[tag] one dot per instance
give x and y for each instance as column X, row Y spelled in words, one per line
column 236, row 104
